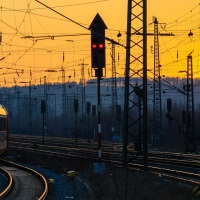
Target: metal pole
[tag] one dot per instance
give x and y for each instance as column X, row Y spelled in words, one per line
column 30, row 110
column 94, row 127
column 55, row 126
column 126, row 90
column 88, row 130
column 76, row 127
column 19, row 116
column 99, row 120
column 43, row 128
column 45, row 99
column 145, row 127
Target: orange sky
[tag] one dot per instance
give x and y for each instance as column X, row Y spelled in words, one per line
column 29, row 18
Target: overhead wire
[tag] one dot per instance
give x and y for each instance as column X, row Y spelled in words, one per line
column 167, row 48
column 182, row 39
column 30, row 14
column 14, row 63
column 17, row 45
column 184, row 14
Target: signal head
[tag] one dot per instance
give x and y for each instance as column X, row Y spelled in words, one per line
column 101, row 46
column 94, row 46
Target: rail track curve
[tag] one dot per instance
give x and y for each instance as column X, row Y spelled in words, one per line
column 29, row 184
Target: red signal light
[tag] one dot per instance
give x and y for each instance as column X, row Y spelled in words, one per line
column 94, row 46
column 101, row 46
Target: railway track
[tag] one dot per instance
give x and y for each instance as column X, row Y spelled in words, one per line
column 9, row 180
column 182, row 167
column 24, row 183
column 109, row 148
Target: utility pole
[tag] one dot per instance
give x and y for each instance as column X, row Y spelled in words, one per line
column 114, row 92
column 94, row 113
column 64, row 117
column 88, row 113
column 19, row 111
column 46, row 113
column 43, row 111
column 30, row 105
column 83, row 101
column 30, row 109
column 76, row 110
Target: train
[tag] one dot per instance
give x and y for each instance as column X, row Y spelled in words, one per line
column 4, row 130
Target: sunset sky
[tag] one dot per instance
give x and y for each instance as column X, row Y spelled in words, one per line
column 28, row 59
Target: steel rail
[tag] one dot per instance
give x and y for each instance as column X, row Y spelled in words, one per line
column 85, row 150
column 178, row 175
column 40, row 176
column 88, row 151
column 9, row 186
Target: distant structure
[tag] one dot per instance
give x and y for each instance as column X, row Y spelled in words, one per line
column 157, row 101
column 191, row 139
column 157, row 105
column 30, row 109
column 83, row 101
column 46, row 113
column 114, row 92
column 64, row 108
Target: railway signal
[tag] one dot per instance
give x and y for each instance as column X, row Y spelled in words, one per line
column 43, row 106
column 88, row 105
column 75, row 105
column 98, row 51
column 93, row 110
column 76, row 110
column 97, row 28
column 98, row 58
column 169, row 109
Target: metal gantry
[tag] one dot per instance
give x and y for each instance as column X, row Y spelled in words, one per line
column 135, row 123
column 18, row 110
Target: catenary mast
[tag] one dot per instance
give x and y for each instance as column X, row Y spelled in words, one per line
column 135, row 123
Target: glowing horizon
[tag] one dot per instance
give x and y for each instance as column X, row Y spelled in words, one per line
column 30, row 60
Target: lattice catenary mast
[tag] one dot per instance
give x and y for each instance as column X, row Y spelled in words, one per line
column 135, row 123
